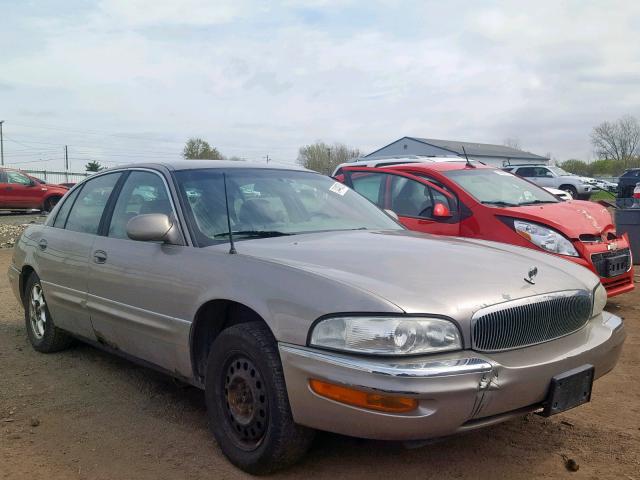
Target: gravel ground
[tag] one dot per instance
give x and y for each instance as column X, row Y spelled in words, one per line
column 84, row 414
column 12, row 225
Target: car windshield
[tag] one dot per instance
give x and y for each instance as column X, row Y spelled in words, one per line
column 264, row 203
column 499, row 188
column 560, row 172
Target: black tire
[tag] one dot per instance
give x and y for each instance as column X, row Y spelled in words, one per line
column 48, row 338
column 571, row 190
column 247, row 401
column 50, row 203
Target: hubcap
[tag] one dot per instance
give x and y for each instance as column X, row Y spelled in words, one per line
column 37, row 311
column 246, row 404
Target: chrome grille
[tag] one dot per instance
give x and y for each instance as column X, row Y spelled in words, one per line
column 530, row 320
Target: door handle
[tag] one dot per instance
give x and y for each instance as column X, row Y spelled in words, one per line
column 9, row 188
column 99, row 256
column 42, row 244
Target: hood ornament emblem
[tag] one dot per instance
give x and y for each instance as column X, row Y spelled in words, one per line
column 531, row 275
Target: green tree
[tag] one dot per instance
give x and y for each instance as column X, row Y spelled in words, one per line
column 324, row 158
column 93, row 166
column 199, row 149
column 575, row 166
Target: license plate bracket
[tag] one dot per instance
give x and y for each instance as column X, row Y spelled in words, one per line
column 569, row 390
column 617, row 265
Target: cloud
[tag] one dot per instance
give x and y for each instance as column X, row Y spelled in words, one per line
column 256, row 78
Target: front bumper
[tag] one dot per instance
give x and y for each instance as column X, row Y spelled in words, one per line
column 584, row 189
column 614, row 285
column 14, row 280
column 456, row 392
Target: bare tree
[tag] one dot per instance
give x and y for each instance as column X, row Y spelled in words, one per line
column 512, row 143
column 324, row 158
column 617, row 140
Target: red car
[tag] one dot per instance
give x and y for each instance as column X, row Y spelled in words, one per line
column 474, row 200
column 20, row 191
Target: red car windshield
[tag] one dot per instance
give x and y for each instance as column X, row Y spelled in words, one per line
column 499, row 188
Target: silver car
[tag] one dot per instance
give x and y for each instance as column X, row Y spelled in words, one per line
column 554, row 177
column 297, row 305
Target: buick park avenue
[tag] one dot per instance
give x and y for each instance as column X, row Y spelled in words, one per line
column 298, row 305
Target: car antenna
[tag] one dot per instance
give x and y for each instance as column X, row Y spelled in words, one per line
column 465, row 156
column 232, row 249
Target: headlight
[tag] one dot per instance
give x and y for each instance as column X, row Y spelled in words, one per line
column 545, row 238
column 387, row 335
column 599, row 300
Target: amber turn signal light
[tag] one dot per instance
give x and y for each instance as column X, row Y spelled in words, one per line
column 358, row 398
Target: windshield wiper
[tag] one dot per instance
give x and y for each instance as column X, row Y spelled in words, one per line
column 255, row 233
column 500, row 203
column 537, row 202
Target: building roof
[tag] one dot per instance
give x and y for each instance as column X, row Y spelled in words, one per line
column 477, row 149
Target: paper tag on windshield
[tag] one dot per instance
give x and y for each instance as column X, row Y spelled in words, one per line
column 339, row 188
column 501, row 172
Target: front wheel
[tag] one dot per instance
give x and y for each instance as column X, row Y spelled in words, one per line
column 571, row 190
column 247, row 401
column 50, row 203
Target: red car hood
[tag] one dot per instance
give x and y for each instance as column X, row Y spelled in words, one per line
column 573, row 218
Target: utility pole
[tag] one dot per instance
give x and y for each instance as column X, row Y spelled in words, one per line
column 1, row 144
column 66, row 164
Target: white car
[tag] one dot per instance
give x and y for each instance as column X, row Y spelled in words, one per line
column 398, row 160
column 565, row 196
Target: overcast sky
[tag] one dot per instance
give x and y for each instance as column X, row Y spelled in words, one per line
column 121, row 80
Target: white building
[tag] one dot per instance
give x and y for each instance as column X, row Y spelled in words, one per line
column 497, row 155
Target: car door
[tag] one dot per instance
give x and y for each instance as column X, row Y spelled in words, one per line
column 4, row 200
column 413, row 199
column 133, row 300
column 63, row 251
column 20, row 191
column 545, row 177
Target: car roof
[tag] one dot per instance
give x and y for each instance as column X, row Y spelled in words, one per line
column 387, row 162
column 180, row 164
column 440, row 166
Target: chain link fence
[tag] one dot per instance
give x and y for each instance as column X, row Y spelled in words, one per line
column 50, row 176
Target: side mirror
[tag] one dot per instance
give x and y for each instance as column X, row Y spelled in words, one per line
column 440, row 210
column 392, row 214
column 154, row 227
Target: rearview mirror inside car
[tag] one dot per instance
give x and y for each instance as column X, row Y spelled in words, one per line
column 440, row 210
column 154, row 227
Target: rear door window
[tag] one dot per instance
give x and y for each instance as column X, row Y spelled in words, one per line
column 87, row 210
column 527, row 172
column 63, row 210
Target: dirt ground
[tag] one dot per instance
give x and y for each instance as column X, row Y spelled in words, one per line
column 85, row 414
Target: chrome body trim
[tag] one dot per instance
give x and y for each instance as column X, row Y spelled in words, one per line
column 396, row 367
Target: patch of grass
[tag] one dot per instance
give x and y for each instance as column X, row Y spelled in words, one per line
column 601, row 195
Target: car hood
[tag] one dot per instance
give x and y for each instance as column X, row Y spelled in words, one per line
column 572, row 218
column 422, row 273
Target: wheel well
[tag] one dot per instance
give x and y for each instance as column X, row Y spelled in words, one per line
column 26, row 272
column 568, row 186
column 212, row 318
column 51, row 197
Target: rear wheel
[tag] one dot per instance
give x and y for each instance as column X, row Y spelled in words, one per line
column 50, row 203
column 247, row 401
column 571, row 190
column 43, row 335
